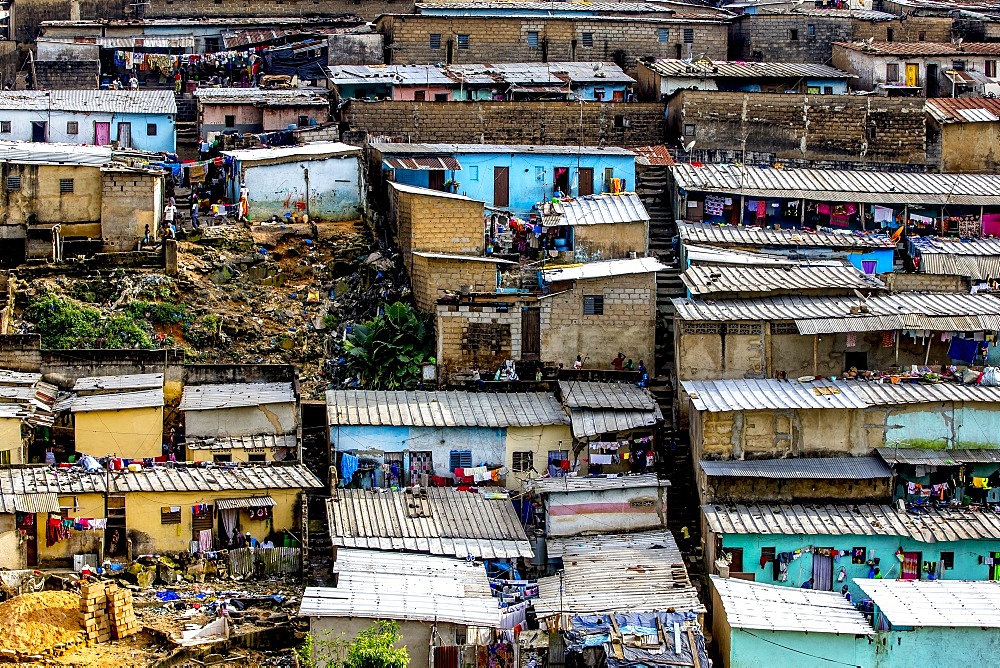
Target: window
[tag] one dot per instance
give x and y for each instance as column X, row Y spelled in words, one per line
column 435, row 42
column 474, row 173
column 440, row 97
column 689, row 129
column 991, row 68
column 419, row 95
column 459, row 459
column 72, row 128
column 588, row 39
column 523, row 461
column 68, row 505
column 689, row 35
column 170, row 514
column 593, row 304
column 958, row 65
column 827, row 90
column 13, row 183
column 65, row 186
column 889, row 34
column 303, row 121
column 892, row 72
column 662, row 35
column 620, row 121
column 872, row 132
column 768, row 554
column 221, row 459
column 558, row 456
column 230, row 121
column 947, row 560
column 811, row 30
column 532, row 38
column 921, row 36
column 260, row 459
column 812, row 90
column 5, row 127
column 150, row 129
column 784, row 328
column 793, row 34
column 463, row 41
column 598, row 94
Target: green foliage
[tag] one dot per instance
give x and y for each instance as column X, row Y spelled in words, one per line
column 305, row 652
column 374, row 647
column 63, row 323
column 162, row 313
column 389, row 351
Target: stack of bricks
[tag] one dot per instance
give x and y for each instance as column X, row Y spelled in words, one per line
column 123, row 622
column 93, row 612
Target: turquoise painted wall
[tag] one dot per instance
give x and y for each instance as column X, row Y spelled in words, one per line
column 937, row 647
column 951, row 425
column 769, row 649
column 967, row 553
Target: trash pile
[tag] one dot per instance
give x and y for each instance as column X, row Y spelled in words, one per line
column 42, row 623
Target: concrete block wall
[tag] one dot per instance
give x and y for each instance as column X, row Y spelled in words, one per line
column 368, row 10
column 926, row 283
column 67, row 75
column 438, row 225
column 29, row 15
column 557, row 123
column 476, row 337
column 430, row 277
column 505, row 39
column 809, row 127
column 129, row 202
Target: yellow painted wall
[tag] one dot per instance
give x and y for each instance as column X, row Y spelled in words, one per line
column 606, row 242
column 39, row 195
column 142, row 517
column 11, row 554
column 10, row 439
column 80, row 542
column 970, row 147
column 538, row 440
column 235, row 454
column 134, row 433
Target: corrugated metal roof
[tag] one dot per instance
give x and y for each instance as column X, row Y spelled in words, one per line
column 43, row 153
column 235, row 395
column 118, row 401
column 712, row 255
column 90, row 101
column 249, row 442
column 653, row 155
column 587, row 484
column 947, row 110
column 270, row 97
column 561, row 548
column 673, row 67
column 15, row 411
column 391, row 75
column 147, row 42
column 901, row 310
column 464, row 258
column 447, row 521
column 624, row 580
column 767, row 607
column 312, row 150
column 834, row 468
column 587, row 422
column 45, row 502
column 443, row 409
column 142, row 381
column 401, row 598
column 833, row 185
column 974, row 258
column 745, row 235
column 503, row 149
column 931, row 525
column 45, row 479
column 586, row 394
column 594, row 210
column 750, row 395
column 18, row 377
column 712, row 280
column 410, row 563
column 430, row 192
column 429, row 163
column 552, row 6
column 877, row 49
column 925, row 457
column 245, row 502
column 603, row 269
column 938, row 603
column 887, row 394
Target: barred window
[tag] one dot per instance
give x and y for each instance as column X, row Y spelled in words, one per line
column 463, row 41
column 532, row 38
column 702, row 328
column 588, row 39
column 13, row 183
column 784, row 328
column 435, row 41
column 170, row 514
column 689, row 35
column 746, row 329
column 65, row 186
column 523, row 461
column 593, row 304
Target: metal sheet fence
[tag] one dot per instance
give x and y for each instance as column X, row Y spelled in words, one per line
column 275, row 560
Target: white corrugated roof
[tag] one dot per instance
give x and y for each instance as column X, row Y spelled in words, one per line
column 747, row 235
column 714, row 256
column 603, row 269
column 308, row 151
column 429, row 192
column 767, row 607
column 712, row 280
column 45, row 153
column 465, row 258
column 108, row 101
column 402, row 598
column 235, row 395
column 443, row 409
column 140, row 381
column 594, row 210
column 571, row 484
column 118, row 401
column 937, row 603
column 18, row 377
column 750, row 394
column 723, row 69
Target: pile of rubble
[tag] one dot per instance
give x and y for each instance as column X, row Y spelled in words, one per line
column 38, row 625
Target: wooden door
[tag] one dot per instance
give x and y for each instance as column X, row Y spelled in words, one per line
column 586, row 175
column 28, row 526
column 125, row 135
column 435, row 179
column 912, row 72
column 501, row 186
column 531, row 332
column 115, row 537
column 38, row 131
column 102, row 133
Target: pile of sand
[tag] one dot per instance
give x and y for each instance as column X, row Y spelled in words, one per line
column 31, row 623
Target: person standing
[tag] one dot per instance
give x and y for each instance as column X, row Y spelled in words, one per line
column 617, row 362
column 133, row 82
column 169, row 212
column 195, row 205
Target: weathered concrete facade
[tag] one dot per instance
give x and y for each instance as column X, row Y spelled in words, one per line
column 810, row 127
column 966, row 147
column 130, row 200
column 612, row 241
column 555, row 123
column 484, row 39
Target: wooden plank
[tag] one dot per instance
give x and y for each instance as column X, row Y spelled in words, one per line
column 694, row 648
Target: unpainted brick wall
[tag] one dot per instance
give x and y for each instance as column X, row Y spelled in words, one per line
column 438, row 225
column 67, row 75
column 28, row 15
column 368, row 10
column 559, row 123
column 810, row 127
column 476, row 337
column 430, row 277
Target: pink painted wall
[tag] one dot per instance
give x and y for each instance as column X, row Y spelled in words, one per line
column 407, row 92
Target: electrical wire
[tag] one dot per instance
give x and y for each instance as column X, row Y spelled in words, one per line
column 798, row 651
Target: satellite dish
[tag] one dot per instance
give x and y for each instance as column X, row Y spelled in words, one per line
column 688, row 147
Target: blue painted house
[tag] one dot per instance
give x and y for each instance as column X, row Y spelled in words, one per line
column 139, row 119
column 435, row 433
column 513, row 178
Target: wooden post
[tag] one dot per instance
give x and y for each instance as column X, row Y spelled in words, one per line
column 927, row 354
column 896, row 337
column 815, row 354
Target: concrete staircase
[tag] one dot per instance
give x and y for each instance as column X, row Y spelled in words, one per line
column 186, row 125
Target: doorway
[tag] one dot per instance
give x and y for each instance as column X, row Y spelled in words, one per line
column 822, row 570
column 912, row 74
column 995, row 568
column 28, row 527
column 586, row 176
column 501, row 186
column 435, row 179
column 38, row 131
column 531, row 332
column 931, row 73
column 450, row 52
column 561, row 179
column 115, row 539
column 856, row 359
column 125, row 135
column 911, row 566
column 203, row 520
column 102, row 133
